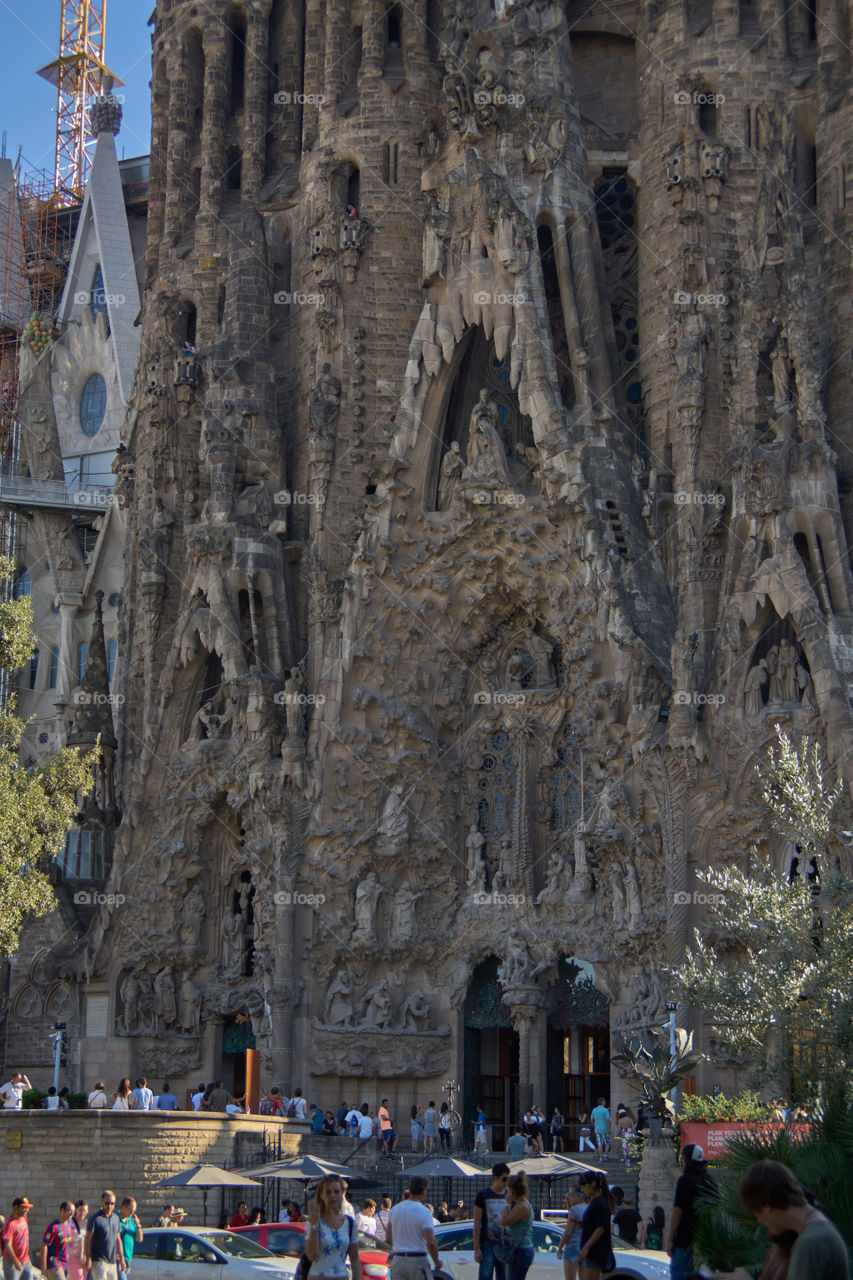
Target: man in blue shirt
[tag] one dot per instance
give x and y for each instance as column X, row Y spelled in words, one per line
column 141, row 1098
column 167, row 1100
column 102, row 1247
column 601, row 1126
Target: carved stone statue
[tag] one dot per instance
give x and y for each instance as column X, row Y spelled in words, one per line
column 337, row 1007
column 788, row 671
column 189, row 1004
column 519, row 967
column 403, row 914
column 806, row 687
column 394, row 823
column 130, row 995
column 755, row 681
column 485, row 460
column 474, row 857
column 165, row 1006
column 192, row 915
column 233, row 945
column 366, row 897
column 326, row 402
column 452, row 467
column 771, row 662
column 377, row 1005
column 781, row 366
column 632, row 894
column 414, row 1012
column 616, row 876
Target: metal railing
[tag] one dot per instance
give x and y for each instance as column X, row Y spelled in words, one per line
column 73, row 495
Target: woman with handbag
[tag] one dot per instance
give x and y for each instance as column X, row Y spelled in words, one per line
column 515, row 1246
column 596, row 1251
column 332, row 1235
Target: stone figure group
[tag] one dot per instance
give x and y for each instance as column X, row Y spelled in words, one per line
column 156, row 1005
column 780, row 674
column 345, row 1011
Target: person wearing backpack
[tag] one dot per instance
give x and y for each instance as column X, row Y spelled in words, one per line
column 651, row 1232
column 297, row 1107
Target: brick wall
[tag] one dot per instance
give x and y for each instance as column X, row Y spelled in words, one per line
column 74, row 1154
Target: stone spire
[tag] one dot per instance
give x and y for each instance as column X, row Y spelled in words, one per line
column 93, row 716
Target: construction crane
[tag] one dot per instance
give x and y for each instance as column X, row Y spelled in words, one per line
column 78, row 74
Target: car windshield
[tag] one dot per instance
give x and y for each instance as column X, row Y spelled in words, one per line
column 236, row 1246
column 369, row 1242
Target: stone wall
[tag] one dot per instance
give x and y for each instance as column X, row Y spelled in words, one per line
column 53, row 1157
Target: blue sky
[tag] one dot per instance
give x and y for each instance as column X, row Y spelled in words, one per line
column 29, row 38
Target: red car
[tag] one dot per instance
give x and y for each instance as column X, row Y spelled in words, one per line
column 287, row 1240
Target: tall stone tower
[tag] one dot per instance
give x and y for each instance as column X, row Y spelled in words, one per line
column 485, row 519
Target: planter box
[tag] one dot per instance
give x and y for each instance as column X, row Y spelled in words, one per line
column 712, row 1138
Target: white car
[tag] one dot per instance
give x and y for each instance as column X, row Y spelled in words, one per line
column 205, row 1253
column 456, row 1254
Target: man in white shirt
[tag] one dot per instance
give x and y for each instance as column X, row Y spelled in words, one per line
column 298, row 1103
column 411, row 1236
column 12, row 1092
column 198, row 1098
column 353, row 1121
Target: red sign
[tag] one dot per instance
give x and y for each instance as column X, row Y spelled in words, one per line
column 713, row 1138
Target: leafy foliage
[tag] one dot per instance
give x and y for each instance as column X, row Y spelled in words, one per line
column 37, row 803
column 772, row 969
column 656, row 1070
column 714, row 1109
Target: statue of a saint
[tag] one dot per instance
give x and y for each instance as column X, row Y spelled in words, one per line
column 474, row 856
column 755, row 681
column 452, row 466
column 394, row 823
column 337, row 1007
column 485, row 460
column 164, row 997
column 326, row 402
column 377, row 1005
column 189, row 1004
column 366, row 897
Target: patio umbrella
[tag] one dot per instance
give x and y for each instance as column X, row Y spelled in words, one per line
column 444, row 1167
column 204, row 1176
column 307, row 1169
column 549, row 1168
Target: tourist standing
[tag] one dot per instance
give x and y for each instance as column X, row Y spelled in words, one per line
column 411, row 1235
column 416, row 1127
column 586, row 1142
column 166, row 1101
column 557, row 1123
column 516, row 1223
column 480, row 1137
column 56, row 1242
column 12, row 1092
column 76, row 1270
column 444, row 1130
column 651, row 1232
column 198, row 1098
column 130, row 1229
column 488, row 1206
column 383, row 1213
column 366, row 1220
column 241, row 1217
column 694, row 1183
column 596, row 1251
column 332, row 1237
column 386, row 1129
column 102, row 1249
column 141, row 1098
column 430, row 1127
column 15, row 1239
column 601, row 1125
column 570, row 1241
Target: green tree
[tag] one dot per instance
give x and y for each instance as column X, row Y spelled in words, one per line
column 37, row 803
column 773, row 967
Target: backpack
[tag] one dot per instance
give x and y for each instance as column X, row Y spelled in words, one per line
column 291, row 1109
column 266, row 1108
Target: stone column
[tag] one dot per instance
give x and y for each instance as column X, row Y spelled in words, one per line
column 255, row 110
column 372, row 40
column 213, row 140
column 586, row 287
column 66, row 677
column 526, row 1008
column 571, row 319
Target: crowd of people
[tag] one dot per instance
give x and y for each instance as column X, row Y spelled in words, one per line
column 77, row 1244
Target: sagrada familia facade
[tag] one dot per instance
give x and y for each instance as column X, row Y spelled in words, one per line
column 485, row 480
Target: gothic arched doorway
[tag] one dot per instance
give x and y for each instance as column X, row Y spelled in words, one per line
column 491, row 1058
column 578, row 1046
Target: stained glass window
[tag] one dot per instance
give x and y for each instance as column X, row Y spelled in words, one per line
column 93, row 405
column 496, row 787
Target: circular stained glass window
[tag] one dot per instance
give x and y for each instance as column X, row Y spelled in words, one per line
column 93, row 405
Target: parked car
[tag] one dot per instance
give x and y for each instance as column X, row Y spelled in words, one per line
column 206, row 1253
column 287, row 1240
column 456, row 1254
